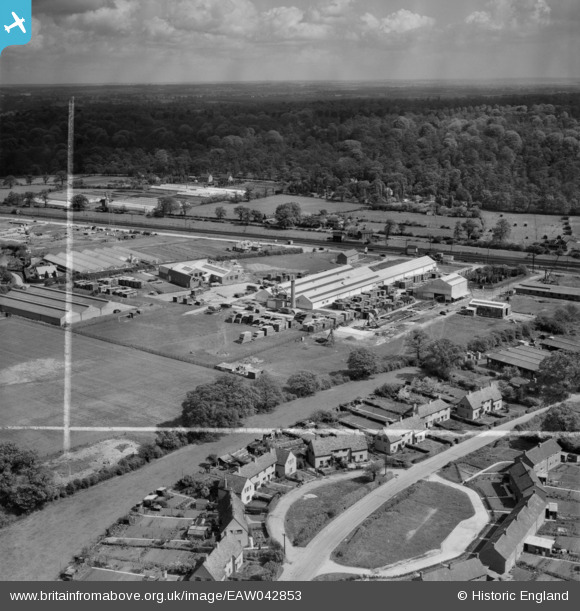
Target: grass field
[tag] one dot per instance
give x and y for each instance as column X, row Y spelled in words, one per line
column 312, row 263
column 268, row 205
column 413, row 523
column 308, row 516
column 111, row 385
column 461, row 329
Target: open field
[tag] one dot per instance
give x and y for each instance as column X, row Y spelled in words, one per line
column 312, row 263
column 267, row 205
column 111, row 385
column 528, row 304
column 309, row 515
column 412, row 523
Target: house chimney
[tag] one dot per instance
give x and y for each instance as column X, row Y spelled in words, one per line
column 292, row 293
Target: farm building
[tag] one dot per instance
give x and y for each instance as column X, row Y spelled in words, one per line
column 398, row 435
column 323, row 289
column 191, row 274
column 322, row 450
column 525, row 358
column 504, row 546
column 347, row 257
column 226, row 558
column 447, row 288
column 554, row 291
column 560, row 343
column 479, row 402
column 490, row 309
column 53, row 306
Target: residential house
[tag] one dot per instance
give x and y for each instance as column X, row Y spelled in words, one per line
column 232, row 519
column 350, row 447
column 399, row 434
column 432, row 412
column 523, row 480
column 261, row 470
column 543, row 458
column 464, row 570
column 506, row 543
column 240, row 485
column 479, row 402
column 286, row 463
column 226, row 558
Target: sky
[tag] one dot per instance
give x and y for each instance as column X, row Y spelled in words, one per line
column 188, row 41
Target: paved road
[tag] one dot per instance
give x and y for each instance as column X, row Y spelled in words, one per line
column 305, row 563
column 40, row 545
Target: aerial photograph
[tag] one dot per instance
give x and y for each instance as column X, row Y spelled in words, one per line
column 290, row 291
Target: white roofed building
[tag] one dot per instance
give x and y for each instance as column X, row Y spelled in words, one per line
column 447, row 288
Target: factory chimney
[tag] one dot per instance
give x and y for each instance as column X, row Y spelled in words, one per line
column 292, row 293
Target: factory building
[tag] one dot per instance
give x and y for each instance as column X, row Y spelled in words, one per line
column 323, row 289
column 554, row 291
column 50, row 305
column 191, row 274
column 446, row 289
column 489, row 309
column 97, row 260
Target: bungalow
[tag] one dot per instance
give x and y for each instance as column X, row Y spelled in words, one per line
column 226, row 558
column 322, row 450
column 242, row 486
column 232, row 519
column 286, row 463
column 483, row 401
column 543, row 457
column 399, row 434
column 261, row 470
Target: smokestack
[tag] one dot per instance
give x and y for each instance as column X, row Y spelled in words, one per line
column 292, row 293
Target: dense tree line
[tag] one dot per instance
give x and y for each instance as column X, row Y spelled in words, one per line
column 513, row 153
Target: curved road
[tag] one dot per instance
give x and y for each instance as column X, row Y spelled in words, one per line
column 303, row 564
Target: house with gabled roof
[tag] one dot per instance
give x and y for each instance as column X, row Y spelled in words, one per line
column 226, row 558
column 523, row 480
column 479, row 402
column 240, row 485
column 436, row 410
column 286, row 462
column 261, row 469
column 232, row 519
column 471, row 569
column 506, row 543
column 543, row 457
column 399, row 434
column 350, row 447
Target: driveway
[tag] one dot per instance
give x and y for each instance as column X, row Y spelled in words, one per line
column 309, row 561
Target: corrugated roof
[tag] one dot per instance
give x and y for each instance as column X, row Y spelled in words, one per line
column 550, row 288
column 524, row 357
column 562, row 343
column 95, row 302
column 59, row 314
column 488, row 304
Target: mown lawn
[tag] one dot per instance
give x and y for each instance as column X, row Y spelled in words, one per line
column 410, row 524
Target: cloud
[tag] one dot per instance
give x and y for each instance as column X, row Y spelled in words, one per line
column 290, row 22
column 511, row 15
column 399, row 22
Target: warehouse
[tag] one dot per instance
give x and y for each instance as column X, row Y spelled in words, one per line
column 570, row 293
column 50, row 305
column 446, row 289
column 323, row 289
column 347, row 257
column 98, row 260
column 525, row 358
column 490, row 309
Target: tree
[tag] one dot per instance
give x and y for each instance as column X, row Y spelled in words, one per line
column 257, row 216
column 243, row 213
column 372, row 470
column 167, row 205
column 417, row 341
column 472, row 228
column 270, row 393
column 44, row 197
column 502, row 230
column 9, row 181
column 390, row 227
column 185, row 206
column 303, row 383
column 223, row 403
column 441, row 356
column 559, row 375
column 288, row 214
column 45, row 178
column 564, row 417
column 79, row 202
column 28, row 198
column 220, row 212
column 458, row 231
column 60, row 178
column 362, row 363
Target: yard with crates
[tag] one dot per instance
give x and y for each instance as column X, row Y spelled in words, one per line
column 411, row 524
column 112, row 386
